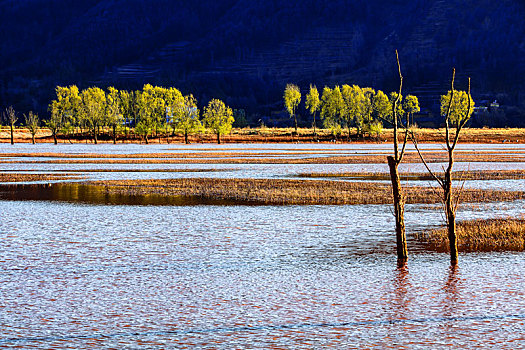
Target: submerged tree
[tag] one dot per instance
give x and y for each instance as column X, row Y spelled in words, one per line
column 313, row 103
column 218, row 117
column 393, row 164
column 32, row 124
column 292, row 98
column 9, row 115
column 457, row 107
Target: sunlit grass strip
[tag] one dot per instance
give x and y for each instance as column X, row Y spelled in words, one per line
column 481, row 235
column 336, row 154
column 359, row 159
column 202, row 154
column 458, row 175
column 17, row 177
column 284, row 135
column 156, row 170
column 281, row 192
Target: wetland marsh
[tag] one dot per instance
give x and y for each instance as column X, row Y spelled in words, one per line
column 110, row 269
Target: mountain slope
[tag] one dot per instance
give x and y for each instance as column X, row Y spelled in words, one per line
column 245, row 51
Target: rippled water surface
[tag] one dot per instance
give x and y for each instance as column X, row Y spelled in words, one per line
column 212, row 276
column 292, row 277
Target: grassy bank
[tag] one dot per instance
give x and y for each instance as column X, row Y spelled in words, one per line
column 481, row 235
column 280, row 192
column 278, row 135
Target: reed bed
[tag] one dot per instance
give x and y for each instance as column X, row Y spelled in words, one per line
column 276, row 159
column 458, row 175
column 202, row 154
column 480, row 235
column 285, row 192
column 157, row 170
column 17, row 177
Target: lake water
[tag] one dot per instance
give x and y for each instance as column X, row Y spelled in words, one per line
column 79, row 275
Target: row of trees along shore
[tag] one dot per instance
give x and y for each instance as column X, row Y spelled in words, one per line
column 345, row 107
column 154, row 110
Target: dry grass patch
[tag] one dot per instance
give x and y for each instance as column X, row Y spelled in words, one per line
column 281, row 158
column 458, row 175
column 276, row 191
column 17, row 177
column 481, row 235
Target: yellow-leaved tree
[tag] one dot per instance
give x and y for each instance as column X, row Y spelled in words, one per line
column 94, row 109
column 313, row 103
column 218, row 117
column 186, row 117
column 292, row 98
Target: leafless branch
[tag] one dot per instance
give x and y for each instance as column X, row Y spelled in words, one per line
column 414, row 141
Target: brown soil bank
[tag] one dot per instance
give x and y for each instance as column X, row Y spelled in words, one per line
column 283, row 135
column 284, row 192
column 481, row 235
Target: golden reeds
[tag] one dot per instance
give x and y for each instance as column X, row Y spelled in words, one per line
column 17, row 177
column 234, row 158
column 458, row 175
column 278, row 191
column 481, row 235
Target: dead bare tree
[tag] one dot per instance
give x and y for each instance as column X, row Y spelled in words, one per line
column 393, row 164
column 9, row 115
column 455, row 117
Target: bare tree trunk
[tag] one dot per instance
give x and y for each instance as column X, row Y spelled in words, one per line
column 114, row 134
column 450, row 210
column 295, row 119
column 55, row 137
column 186, row 137
column 393, row 164
column 33, row 138
column 95, row 135
column 218, row 138
column 399, row 210
column 12, row 132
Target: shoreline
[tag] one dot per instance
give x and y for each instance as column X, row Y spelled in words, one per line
column 279, row 135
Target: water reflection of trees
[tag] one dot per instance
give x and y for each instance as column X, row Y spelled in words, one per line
column 401, row 300
column 451, row 289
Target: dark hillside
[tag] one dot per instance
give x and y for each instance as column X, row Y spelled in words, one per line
column 245, row 51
